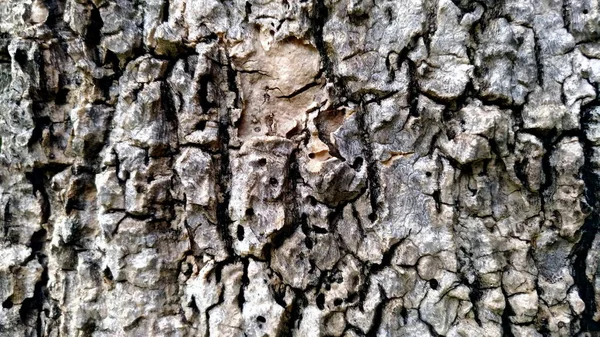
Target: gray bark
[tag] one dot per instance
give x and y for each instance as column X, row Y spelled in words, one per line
column 299, row 168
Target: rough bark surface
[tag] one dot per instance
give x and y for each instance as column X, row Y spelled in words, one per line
column 299, row 168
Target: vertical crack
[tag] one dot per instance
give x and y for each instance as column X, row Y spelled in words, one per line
column 93, row 33
column 547, row 169
column 377, row 318
column 224, row 176
column 207, row 312
column 320, row 15
column 164, row 11
column 293, row 316
column 244, row 283
column 537, row 51
column 430, row 22
column 506, row 314
column 475, row 296
column 413, row 88
column 372, row 169
column 170, row 113
column 590, row 227
column 40, row 123
column 566, row 15
column 294, row 218
column 7, row 219
column 205, row 105
column 37, row 179
column 35, row 305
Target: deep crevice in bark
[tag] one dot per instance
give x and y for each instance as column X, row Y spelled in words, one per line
column 590, row 228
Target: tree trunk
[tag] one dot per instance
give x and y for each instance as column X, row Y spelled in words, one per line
column 299, row 168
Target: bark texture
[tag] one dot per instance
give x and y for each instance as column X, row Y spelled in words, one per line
column 299, row 168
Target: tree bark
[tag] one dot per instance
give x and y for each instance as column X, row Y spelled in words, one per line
column 299, row 168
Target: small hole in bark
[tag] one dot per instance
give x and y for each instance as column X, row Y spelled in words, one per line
column 61, row 97
column 108, row 274
column 428, row 174
column 37, row 240
column 7, row 304
column 585, row 11
column 308, row 243
column 201, row 125
column 262, row 162
column 358, row 162
column 189, row 270
column 272, row 32
column 21, row 58
column 193, row 305
column 313, row 201
column 337, row 302
column 319, row 230
column 240, row 232
column 94, row 33
column 372, row 217
column 250, row 212
column 473, row 191
column 311, row 155
column 433, row 283
column 404, row 314
column 388, row 12
column 261, row 319
column 273, row 181
column 321, row 301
